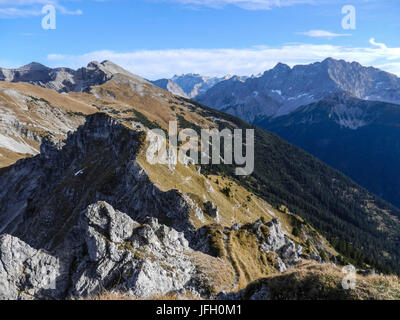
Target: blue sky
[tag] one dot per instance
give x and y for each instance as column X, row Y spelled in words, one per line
column 160, row 38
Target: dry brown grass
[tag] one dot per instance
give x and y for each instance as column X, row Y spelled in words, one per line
column 312, row 281
column 150, row 100
column 249, row 261
column 8, row 157
column 232, row 209
column 218, row 273
column 307, row 281
column 64, row 102
column 120, row 296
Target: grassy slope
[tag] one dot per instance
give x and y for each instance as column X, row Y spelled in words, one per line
column 348, row 215
column 362, row 226
column 311, row 281
column 308, row 281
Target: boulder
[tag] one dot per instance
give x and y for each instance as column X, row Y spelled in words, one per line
column 212, row 210
column 105, row 250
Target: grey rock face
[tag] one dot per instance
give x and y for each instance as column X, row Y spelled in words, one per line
column 27, row 273
column 148, row 259
column 315, row 256
column 261, row 294
column 236, row 226
column 277, row 241
column 189, row 85
column 283, row 89
column 212, row 210
column 41, row 197
column 122, row 255
column 22, row 115
column 170, row 86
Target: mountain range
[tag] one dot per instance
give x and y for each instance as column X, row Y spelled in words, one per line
column 283, row 89
column 83, row 211
column 360, row 138
column 343, row 113
column 190, row 85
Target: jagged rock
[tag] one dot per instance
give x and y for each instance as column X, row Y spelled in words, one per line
column 194, row 207
column 27, row 273
column 149, row 259
column 188, row 85
column 103, row 152
column 280, row 265
column 261, row 294
column 212, row 211
column 105, row 250
column 117, row 225
column 315, row 256
column 290, row 253
column 236, row 226
column 276, row 239
column 278, row 242
column 50, row 146
column 208, row 186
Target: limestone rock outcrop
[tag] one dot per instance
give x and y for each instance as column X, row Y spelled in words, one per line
column 106, row 250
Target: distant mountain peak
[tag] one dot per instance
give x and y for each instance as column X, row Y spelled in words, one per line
column 282, row 89
column 189, row 85
column 34, row 65
column 107, row 62
column 65, row 79
column 330, row 60
column 281, row 66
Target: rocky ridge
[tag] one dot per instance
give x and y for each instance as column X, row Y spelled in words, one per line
column 189, row 85
column 51, row 249
column 98, row 171
column 108, row 251
column 282, row 89
column 65, row 79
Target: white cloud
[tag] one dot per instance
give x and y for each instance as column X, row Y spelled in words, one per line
column 323, row 34
column 29, row 8
column 154, row 64
column 388, row 53
column 18, row 13
column 380, row 45
column 391, row 67
column 244, row 4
